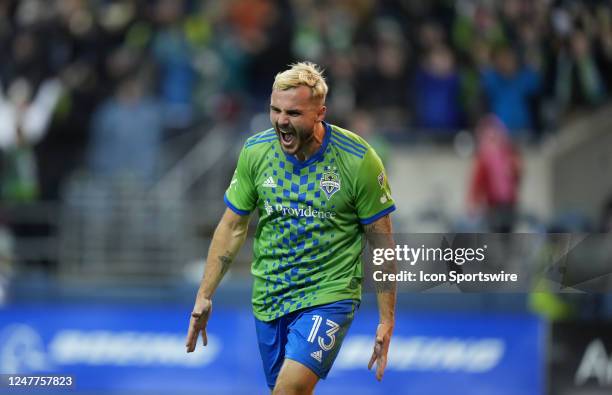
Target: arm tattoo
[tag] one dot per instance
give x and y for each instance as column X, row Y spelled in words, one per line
column 378, row 235
column 226, row 261
column 383, row 225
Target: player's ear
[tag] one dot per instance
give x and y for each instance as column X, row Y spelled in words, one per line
column 321, row 113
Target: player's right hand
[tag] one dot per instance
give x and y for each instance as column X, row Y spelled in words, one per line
column 197, row 323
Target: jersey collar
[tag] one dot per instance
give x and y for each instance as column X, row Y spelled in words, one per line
column 317, row 156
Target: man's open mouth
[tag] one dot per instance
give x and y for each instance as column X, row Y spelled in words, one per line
column 286, row 137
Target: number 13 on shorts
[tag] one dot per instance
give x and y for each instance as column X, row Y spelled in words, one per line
column 316, row 334
column 330, row 333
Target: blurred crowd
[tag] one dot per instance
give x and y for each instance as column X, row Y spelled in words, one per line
column 101, row 83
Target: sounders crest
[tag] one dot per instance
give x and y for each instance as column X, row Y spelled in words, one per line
column 330, row 181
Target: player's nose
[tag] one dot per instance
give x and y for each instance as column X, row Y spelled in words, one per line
column 283, row 120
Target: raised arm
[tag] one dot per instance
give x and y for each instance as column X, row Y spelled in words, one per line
column 379, row 235
column 227, row 240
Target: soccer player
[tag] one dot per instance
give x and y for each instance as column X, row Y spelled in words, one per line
column 318, row 188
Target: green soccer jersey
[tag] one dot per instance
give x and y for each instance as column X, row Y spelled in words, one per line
column 308, row 243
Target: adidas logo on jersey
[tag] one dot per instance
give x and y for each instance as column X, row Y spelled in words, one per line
column 318, row 355
column 269, row 183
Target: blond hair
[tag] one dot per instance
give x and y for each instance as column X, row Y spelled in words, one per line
column 302, row 73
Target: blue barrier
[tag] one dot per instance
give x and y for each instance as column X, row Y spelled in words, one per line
column 132, row 349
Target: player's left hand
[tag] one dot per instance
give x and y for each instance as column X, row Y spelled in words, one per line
column 381, row 347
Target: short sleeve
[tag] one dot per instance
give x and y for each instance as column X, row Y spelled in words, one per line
column 241, row 195
column 373, row 194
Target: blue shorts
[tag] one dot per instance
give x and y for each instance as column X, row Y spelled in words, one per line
column 310, row 336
